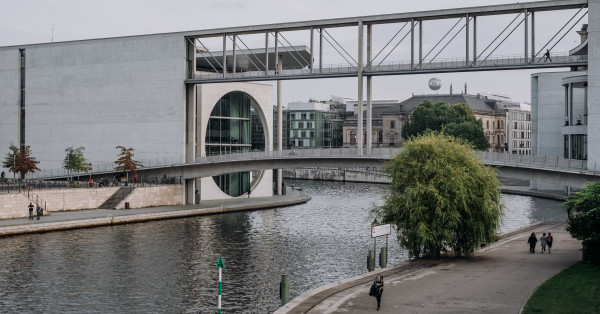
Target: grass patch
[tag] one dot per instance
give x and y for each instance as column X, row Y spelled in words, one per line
column 574, row 290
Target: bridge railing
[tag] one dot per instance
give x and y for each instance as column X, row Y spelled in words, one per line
column 490, row 158
column 530, row 161
column 403, row 65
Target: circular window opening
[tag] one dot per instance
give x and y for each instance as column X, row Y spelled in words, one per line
column 235, row 127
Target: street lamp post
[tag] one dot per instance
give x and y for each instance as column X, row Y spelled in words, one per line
column 15, row 150
column 68, row 150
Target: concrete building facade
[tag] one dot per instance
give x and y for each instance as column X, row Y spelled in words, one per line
column 127, row 91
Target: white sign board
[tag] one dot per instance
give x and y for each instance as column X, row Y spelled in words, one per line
column 381, row 230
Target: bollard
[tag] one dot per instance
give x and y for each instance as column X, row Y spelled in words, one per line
column 284, row 289
column 371, row 260
column 383, row 258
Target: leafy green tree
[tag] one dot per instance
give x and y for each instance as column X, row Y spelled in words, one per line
column 584, row 219
column 456, row 120
column 442, row 197
column 126, row 161
column 21, row 162
column 75, row 161
column 470, row 131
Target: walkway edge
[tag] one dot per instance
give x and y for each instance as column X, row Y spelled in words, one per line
column 308, row 300
column 136, row 218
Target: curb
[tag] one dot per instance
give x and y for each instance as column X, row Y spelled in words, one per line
column 111, row 220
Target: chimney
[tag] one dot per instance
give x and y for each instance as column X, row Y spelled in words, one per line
column 465, row 88
column 450, row 88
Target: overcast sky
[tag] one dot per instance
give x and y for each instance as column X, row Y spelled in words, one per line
column 31, row 21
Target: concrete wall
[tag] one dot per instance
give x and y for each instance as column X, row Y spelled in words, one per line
column 547, row 113
column 548, row 118
column 97, row 94
column 162, row 195
column 593, row 144
column 75, row 199
column 336, row 175
column 9, row 100
column 14, row 205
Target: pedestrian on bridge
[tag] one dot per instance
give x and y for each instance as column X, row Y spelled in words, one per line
column 532, row 241
column 549, row 240
column 547, row 56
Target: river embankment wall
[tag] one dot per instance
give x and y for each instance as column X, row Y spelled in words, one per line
column 15, row 205
column 363, row 175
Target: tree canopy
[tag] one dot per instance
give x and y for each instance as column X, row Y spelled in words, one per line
column 455, row 120
column 584, row 219
column 21, row 162
column 442, row 197
column 126, row 161
column 75, row 161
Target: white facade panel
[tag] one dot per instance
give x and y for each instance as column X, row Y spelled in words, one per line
column 99, row 94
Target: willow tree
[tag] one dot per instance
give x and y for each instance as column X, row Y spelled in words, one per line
column 442, row 198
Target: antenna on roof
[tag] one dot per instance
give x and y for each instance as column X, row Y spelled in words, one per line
column 52, row 30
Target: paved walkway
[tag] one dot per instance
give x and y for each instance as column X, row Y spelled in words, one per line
column 498, row 279
column 102, row 217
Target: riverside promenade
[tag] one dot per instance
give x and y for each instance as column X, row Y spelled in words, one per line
column 498, row 279
column 65, row 220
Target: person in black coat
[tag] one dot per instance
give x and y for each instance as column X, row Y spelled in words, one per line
column 532, row 241
column 377, row 289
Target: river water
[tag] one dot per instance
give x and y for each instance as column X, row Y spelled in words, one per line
column 170, row 266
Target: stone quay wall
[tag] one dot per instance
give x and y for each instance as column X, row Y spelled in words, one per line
column 14, row 205
column 364, row 175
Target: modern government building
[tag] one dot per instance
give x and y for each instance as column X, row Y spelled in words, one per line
column 131, row 91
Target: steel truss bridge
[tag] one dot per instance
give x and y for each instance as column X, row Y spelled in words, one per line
column 235, row 61
column 240, row 63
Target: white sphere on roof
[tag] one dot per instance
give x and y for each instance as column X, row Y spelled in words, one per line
column 435, row 83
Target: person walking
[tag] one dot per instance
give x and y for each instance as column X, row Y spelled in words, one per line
column 549, row 240
column 378, row 286
column 547, row 56
column 30, row 211
column 38, row 211
column 532, row 241
column 543, row 241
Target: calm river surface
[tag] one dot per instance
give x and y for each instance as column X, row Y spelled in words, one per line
column 170, row 266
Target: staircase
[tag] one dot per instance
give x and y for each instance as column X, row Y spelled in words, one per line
column 34, row 198
column 117, row 197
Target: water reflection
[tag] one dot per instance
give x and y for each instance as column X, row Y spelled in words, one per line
column 169, row 266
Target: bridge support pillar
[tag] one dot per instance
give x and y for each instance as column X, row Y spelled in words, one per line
column 189, row 191
column 279, row 122
column 593, row 136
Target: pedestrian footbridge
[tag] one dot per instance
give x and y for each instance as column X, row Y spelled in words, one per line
column 547, row 169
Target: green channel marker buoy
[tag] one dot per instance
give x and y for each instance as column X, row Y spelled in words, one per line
column 220, row 266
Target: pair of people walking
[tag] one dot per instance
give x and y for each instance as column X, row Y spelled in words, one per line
column 377, row 289
column 544, row 241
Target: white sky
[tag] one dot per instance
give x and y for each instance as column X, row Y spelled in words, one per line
column 31, row 21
